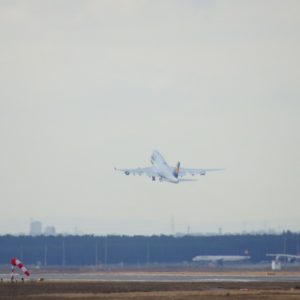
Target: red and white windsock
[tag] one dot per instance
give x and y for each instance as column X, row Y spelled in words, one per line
column 17, row 263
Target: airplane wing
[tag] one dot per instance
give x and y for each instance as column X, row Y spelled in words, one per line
column 187, row 171
column 149, row 171
column 281, row 255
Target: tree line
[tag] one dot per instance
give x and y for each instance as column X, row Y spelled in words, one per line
column 82, row 250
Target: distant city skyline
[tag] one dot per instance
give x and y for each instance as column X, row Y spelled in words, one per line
column 37, row 227
column 87, row 86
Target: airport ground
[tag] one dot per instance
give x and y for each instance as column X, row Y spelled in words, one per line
column 86, row 283
column 54, row 290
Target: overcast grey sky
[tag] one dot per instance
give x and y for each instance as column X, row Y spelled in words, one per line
column 89, row 85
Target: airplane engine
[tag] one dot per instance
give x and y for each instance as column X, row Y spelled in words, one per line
column 153, row 178
column 220, row 262
column 203, row 173
column 291, row 259
column 126, row 173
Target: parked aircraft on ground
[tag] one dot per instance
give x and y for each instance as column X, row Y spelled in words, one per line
column 220, row 259
column 281, row 256
column 162, row 171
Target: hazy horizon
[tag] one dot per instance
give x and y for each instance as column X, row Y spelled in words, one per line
column 169, row 227
column 87, row 86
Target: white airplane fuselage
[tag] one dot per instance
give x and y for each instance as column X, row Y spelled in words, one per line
column 213, row 258
column 163, row 169
column 164, row 172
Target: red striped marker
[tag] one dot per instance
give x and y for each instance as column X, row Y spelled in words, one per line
column 17, row 263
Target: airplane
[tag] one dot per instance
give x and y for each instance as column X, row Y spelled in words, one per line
column 161, row 170
column 220, row 259
column 280, row 256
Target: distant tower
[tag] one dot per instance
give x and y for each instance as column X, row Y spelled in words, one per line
column 96, row 253
column 105, row 251
column 35, row 228
column 45, row 254
column 147, row 253
column 188, row 230
column 285, row 246
column 63, row 254
column 21, row 253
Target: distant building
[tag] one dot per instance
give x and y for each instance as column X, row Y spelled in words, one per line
column 49, row 230
column 35, row 228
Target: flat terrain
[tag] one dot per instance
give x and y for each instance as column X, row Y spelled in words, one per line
column 161, row 276
column 51, row 290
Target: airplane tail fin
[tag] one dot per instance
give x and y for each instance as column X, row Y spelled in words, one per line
column 176, row 171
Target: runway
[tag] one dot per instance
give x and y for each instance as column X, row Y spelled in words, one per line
column 170, row 277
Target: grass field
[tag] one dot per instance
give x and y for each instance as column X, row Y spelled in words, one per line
column 148, row 290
